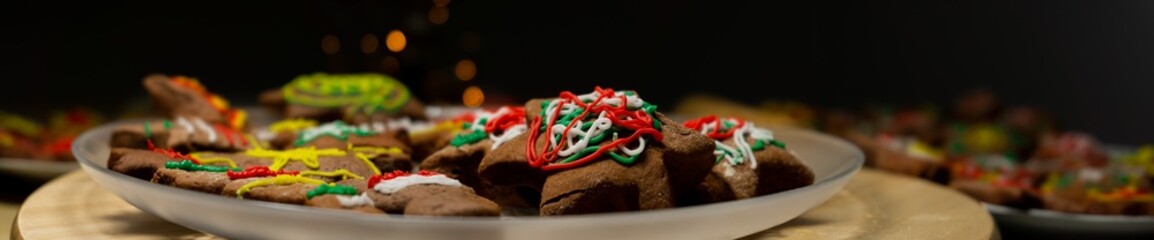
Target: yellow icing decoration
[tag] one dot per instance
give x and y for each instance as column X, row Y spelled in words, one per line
column 374, row 151
column 255, row 143
column 918, row 148
column 343, row 173
column 292, row 125
column 1051, row 182
column 1143, row 158
column 308, row 156
column 367, row 92
column 218, row 102
column 278, row 180
column 239, row 118
column 207, row 160
column 451, row 127
column 1124, row 194
column 19, row 124
column 369, row 162
column 6, row 139
column 986, row 139
column 365, row 153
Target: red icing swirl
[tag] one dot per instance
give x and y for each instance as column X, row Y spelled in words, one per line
column 258, row 171
column 170, row 153
column 718, row 133
column 374, row 180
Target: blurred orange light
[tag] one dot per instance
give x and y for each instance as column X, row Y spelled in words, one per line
column 369, row 43
column 330, row 44
column 465, row 70
column 395, row 41
column 473, row 96
column 439, row 15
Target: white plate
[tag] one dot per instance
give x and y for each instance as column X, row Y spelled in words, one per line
column 36, row 169
column 833, row 161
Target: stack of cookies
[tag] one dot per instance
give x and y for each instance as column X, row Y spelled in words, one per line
column 361, row 142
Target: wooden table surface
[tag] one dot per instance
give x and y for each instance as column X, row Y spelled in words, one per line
column 874, row 205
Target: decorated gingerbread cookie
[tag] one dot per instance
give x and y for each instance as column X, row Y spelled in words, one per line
column 185, row 97
column 484, row 132
column 605, row 151
column 297, row 133
column 994, row 179
column 1111, row 191
column 750, row 162
column 357, row 98
column 184, row 134
column 426, row 193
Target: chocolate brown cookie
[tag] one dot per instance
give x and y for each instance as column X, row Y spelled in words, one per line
column 427, row 194
column 183, row 134
column 485, row 131
column 612, row 153
column 181, row 96
column 139, row 163
column 750, row 161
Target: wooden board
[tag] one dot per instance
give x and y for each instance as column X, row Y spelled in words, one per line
column 874, row 205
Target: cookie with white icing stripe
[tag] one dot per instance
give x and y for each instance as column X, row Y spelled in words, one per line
column 392, row 146
column 484, row 132
column 181, row 96
column 427, row 194
column 184, row 134
column 750, row 162
column 357, row 98
column 605, row 151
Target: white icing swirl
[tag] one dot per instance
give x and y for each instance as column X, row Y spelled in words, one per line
column 396, row 184
column 506, row 135
column 209, row 132
column 743, row 150
column 355, row 200
column 192, row 127
column 577, row 139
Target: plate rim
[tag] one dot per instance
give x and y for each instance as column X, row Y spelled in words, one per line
column 841, row 174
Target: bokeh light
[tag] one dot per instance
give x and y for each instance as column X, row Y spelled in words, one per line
column 465, row 70
column 473, row 96
column 369, row 43
column 439, row 15
column 395, row 41
column 330, row 44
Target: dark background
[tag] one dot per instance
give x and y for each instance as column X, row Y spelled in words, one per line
column 1089, row 62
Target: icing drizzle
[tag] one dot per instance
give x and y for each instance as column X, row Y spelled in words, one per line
column 581, row 128
column 395, row 181
column 331, row 188
column 355, row 200
column 278, row 180
column 368, row 92
column 339, row 130
column 309, row 156
column 741, row 131
column 235, row 118
column 499, row 126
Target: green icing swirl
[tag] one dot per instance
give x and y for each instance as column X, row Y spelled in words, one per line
column 332, row 189
column 188, row 165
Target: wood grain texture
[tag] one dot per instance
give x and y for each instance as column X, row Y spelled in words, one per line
column 874, row 205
